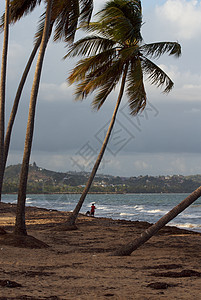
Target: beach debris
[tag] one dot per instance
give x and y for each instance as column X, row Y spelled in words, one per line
column 165, row 267
column 26, row 297
column 9, row 284
column 160, row 285
column 2, row 231
column 184, row 273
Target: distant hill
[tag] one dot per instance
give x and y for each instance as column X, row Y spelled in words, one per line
column 41, row 180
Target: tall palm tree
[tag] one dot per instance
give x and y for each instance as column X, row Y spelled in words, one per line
column 115, row 53
column 65, row 15
column 3, row 89
column 152, row 230
column 20, row 227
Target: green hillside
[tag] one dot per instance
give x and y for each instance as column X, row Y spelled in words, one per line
column 45, row 181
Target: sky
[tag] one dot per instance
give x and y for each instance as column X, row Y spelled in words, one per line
column 164, row 140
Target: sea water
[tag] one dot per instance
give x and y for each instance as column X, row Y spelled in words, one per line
column 141, row 207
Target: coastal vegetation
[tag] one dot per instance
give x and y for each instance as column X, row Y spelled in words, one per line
column 41, row 180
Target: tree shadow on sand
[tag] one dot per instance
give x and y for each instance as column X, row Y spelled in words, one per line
column 20, row 241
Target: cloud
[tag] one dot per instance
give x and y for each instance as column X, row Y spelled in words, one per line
column 141, row 165
column 187, row 85
column 55, row 92
column 182, row 17
column 134, row 164
column 179, row 164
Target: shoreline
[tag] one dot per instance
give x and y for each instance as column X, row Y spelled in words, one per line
column 6, row 207
column 94, row 193
column 139, row 210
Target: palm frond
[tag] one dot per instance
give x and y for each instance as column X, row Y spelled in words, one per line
column 124, row 18
column 18, row 9
column 40, row 27
column 156, row 75
column 112, row 77
column 91, row 65
column 102, row 94
column 89, row 46
column 66, row 15
column 21, row 8
column 97, row 79
column 2, row 23
column 127, row 53
column 39, row 31
column 86, row 10
column 155, row 50
column 135, row 87
column 117, row 22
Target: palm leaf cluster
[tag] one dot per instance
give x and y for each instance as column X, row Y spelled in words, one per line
column 66, row 14
column 115, row 42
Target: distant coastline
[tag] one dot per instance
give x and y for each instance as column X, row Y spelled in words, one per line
column 42, row 181
column 92, row 193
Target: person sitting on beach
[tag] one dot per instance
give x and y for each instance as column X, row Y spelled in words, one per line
column 92, row 210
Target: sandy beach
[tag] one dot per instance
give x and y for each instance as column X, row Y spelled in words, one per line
column 78, row 264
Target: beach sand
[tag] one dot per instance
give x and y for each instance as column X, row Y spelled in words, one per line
column 78, row 265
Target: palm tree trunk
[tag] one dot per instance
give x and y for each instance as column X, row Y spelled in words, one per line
column 147, row 234
column 20, row 226
column 16, row 102
column 3, row 89
column 71, row 220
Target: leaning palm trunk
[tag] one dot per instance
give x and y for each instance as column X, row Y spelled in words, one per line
column 71, row 220
column 3, row 89
column 17, row 100
column 16, row 104
column 147, row 234
column 20, row 226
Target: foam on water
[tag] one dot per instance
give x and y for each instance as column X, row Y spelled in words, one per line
column 127, row 214
column 154, row 211
column 141, row 207
column 138, row 207
column 191, row 226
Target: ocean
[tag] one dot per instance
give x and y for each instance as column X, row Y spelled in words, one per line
column 141, row 207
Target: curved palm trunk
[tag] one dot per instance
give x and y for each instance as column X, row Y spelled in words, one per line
column 17, row 100
column 71, row 220
column 20, row 226
column 147, row 234
column 3, row 89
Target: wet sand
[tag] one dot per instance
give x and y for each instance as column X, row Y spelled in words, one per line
column 77, row 264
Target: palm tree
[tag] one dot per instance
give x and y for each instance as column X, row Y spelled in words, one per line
column 65, row 15
column 115, row 53
column 3, row 89
column 20, row 228
column 152, row 230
